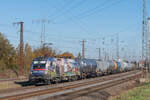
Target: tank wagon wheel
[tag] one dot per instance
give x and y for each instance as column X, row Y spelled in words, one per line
column 69, row 79
column 104, row 74
column 31, row 82
column 48, row 82
column 97, row 75
column 57, row 80
column 78, row 77
column 84, row 77
column 74, row 78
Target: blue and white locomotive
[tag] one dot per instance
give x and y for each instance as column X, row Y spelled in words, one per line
column 49, row 69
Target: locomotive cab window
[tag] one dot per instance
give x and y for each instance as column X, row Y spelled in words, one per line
column 40, row 65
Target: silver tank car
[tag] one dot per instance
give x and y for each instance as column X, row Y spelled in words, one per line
column 114, row 67
column 87, row 67
column 126, row 65
column 102, row 67
column 132, row 66
column 107, row 67
column 123, row 65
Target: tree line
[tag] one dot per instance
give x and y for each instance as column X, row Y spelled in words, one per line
column 9, row 55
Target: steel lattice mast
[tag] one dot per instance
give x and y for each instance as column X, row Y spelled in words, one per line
column 144, row 33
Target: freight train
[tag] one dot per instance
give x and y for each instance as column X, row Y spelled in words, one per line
column 50, row 69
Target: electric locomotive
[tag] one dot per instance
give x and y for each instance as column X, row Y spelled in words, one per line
column 49, row 69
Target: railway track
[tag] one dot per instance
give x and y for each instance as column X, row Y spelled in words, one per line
column 12, row 79
column 75, row 93
column 30, row 88
column 77, row 87
column 27, row 87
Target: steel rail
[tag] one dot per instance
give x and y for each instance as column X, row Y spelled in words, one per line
column 58, row 90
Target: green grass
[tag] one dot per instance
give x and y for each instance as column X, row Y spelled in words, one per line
column 139, row 93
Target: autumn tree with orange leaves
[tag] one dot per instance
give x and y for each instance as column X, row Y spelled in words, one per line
column 67, row 55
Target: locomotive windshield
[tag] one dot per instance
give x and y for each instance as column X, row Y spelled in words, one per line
column 39, row 64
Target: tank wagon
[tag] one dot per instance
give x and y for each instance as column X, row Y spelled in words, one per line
column 126, row 66
column 93, row 67
column 87, row 67
column 107, row 67
column 49, row 69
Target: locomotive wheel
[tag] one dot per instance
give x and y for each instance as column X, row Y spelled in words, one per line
column 48, row 82
column 76, row 78
column 69, row 79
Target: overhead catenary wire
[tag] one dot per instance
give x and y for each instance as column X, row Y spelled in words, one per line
column 13, row 38
column 77, row 21
column 67, row 9
column 65, row 6
column 99, row 5
column 69, row 40
column 54, row 36
column 96, row 10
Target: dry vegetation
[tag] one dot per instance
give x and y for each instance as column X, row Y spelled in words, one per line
column 9, row 57
column 8, row 85
column 142, row 92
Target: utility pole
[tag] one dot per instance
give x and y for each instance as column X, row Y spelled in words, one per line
column 144, row 34
column 83, row 48
column 105, row 56
column 148, row 44
column 43, row 33
column 117, row 51
column 21, row 54
column 145, row 39
column 99, row 52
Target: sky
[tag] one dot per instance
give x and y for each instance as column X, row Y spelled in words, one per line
column 68, row 22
